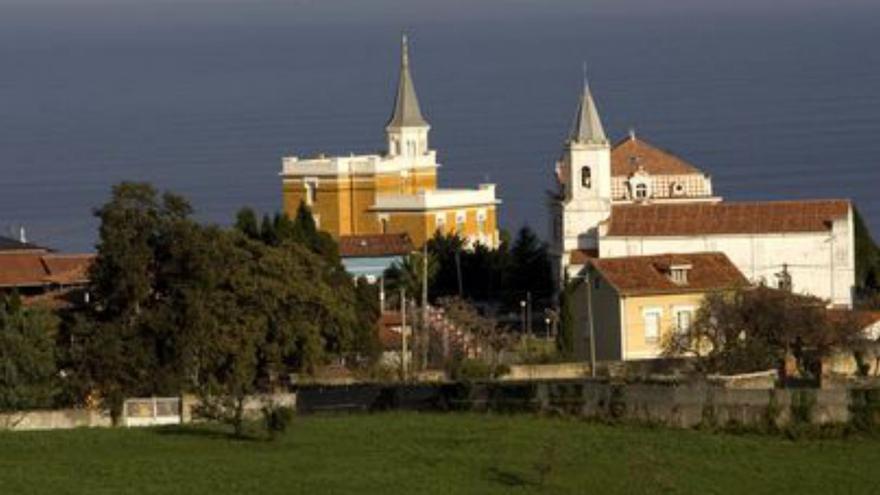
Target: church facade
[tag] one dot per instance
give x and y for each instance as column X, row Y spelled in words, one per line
column 395, row 192
column 635, row 199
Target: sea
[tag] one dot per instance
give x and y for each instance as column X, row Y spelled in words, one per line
column 774, row 99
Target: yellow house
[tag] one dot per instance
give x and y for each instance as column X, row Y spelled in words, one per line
column 637, row 300
column 394, row 192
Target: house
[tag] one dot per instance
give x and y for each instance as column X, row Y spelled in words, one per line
column 41, row 275
column 633, row 302
column 394, row 191
column 635, row 199
column 370, row 255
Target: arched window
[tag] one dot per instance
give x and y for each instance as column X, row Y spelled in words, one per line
column 586, row 178
column 641, row 191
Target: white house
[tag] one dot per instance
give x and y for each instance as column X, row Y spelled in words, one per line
column 634, row 199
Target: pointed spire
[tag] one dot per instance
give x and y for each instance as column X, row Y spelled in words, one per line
column 406, row 105
column 587, row 128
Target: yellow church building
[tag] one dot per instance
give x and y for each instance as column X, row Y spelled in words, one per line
column 394, row 192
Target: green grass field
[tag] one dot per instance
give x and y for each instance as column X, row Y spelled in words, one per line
column 410, row 453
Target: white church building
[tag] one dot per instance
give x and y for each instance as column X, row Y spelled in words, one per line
column 632, row 198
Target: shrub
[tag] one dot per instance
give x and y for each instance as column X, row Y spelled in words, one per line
column 470, row 370
column 277, row 419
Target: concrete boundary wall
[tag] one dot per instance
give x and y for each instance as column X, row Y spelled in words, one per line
column 55, row 420
column 678, row 405
column 63, row 419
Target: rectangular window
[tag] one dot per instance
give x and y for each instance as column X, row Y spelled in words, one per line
column 440, row 222
column 481, row 221
column 652, row 326
column 311, row 192
column 459, row 222
column 683, row 320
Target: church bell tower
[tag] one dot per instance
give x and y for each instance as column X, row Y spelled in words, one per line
column 584, row 177
column 407, row 130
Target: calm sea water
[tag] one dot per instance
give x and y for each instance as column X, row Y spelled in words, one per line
column 204, row 98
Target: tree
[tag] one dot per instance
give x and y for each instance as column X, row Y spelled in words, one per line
column 530, row 270
column 483, row 330
column 246, row 223
column 408, row 275
column 115, row 353
column 28, row 373
column 753, row 329
column 565, row 333
column 180, row 306
column 867, row 266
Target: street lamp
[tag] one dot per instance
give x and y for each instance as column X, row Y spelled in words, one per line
column 522, row 305
column 547, row 327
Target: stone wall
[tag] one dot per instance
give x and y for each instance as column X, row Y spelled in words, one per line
column 63, row 419
column 53, row 420
column 561, row 371
column 670, row 403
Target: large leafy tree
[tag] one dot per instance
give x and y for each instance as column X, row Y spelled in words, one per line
column 754, row 329
column 28, row 373
column 114, row 351
column 182, row 306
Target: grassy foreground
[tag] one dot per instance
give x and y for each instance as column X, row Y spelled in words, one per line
column 412, row 453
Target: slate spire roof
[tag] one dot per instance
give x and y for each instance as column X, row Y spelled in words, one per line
column 587, row 128
column 406, row 105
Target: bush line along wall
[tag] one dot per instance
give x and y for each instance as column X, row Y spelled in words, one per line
column 673, row 405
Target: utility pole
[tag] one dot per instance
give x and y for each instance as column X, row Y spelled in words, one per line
column 458, row 271
column 529, row 311
column 403, row 349
column 425, row 331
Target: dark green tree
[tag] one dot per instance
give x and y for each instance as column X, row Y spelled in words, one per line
column 246, row 223
column 530, row 270
column 565, row 333
column 28, row 373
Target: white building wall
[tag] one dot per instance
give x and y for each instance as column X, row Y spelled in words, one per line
column 820, row 263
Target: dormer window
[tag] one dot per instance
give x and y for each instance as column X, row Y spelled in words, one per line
column 641, row 191
column 586, row 178
column 679, row 274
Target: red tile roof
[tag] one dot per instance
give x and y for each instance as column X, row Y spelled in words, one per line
column 35, row 269
column 631, row 153
column 679, row 219
column 390, row 337
column 581, row 256
column 373, row 246
column 642, row 275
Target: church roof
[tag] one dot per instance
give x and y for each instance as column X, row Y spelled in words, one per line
column 587, row 127
column 632, row 153
column 633, row 275
column 406, row 104
column 759, row 217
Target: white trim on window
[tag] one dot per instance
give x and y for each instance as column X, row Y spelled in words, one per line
column 652, row 319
